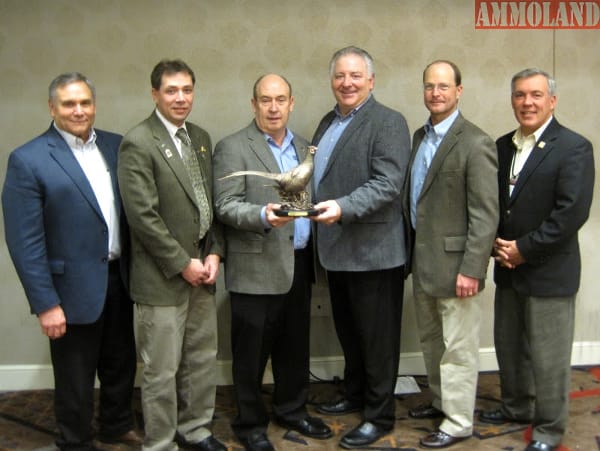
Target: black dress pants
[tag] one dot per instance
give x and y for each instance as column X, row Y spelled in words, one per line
column 275, row 326
column 105, row 348
column 367, row 313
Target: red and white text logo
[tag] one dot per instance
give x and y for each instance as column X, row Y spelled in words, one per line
column 537, row 14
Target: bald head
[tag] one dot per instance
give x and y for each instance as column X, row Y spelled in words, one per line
column 272, row 104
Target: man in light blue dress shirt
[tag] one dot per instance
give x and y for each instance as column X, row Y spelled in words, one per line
column 268, row 270
column 451, row 204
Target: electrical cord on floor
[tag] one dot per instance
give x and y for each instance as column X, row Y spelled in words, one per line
column 314, row 378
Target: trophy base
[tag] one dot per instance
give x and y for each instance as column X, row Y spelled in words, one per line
column 283, row 212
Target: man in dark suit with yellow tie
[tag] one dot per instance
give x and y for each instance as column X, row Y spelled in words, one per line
column 166, row 179
column 546, row 182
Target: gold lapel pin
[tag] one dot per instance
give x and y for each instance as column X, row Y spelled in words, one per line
column 541, row 144
column 168, row 153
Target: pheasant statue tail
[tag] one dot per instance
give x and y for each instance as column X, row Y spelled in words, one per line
column 292, row 181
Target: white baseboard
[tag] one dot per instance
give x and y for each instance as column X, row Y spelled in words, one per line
column 37, row 377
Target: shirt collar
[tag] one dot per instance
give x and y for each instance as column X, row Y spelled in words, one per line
column 171, row 128
column 440, row 129
column 75, row 142
column 336, row 109
column 518, row 139
column 289, row 136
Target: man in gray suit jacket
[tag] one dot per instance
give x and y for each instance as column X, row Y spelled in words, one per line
column 268, row 269
column 452, row 208
column 165, row 175
column 359, row 172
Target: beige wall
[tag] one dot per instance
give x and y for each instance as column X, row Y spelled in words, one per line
column 229, row 43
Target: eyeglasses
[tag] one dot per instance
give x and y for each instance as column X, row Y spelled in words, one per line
column 441, row 87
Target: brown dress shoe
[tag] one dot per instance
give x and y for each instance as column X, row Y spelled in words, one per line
column 129, row 438
column 439, row 439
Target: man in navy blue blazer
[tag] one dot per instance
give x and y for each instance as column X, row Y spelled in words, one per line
column 63, row 225
column 546, row 183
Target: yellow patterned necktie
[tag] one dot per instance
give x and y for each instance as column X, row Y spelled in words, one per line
column 190, row 161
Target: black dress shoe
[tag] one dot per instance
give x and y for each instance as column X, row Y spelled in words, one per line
column 256, row 441
column 426, row 411
column 540, row 446
column 208, row 444
column 497, row 417
column 363, row 434
column 310, row 426
column 440, row 439
column 339, row 407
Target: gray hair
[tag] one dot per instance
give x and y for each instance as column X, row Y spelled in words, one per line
column 352, row 50
column 532, row 72
column 67, row 79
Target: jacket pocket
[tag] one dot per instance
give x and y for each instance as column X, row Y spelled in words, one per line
column 455, row 243
column 245, row 246
column 57, row 266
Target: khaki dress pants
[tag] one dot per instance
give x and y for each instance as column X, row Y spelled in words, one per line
column 449, row 333
column 178, row 345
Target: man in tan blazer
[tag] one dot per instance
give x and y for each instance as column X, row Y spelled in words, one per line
column 166, row 184
column 451, row 206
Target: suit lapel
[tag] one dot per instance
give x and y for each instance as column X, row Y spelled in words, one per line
column 361, row 116
column 166, row 147
column 506, row 150
column 261, row 149
column 203, row 157
column 543, row 147
column 301, row 151
column 62, row 154
column 445, row 147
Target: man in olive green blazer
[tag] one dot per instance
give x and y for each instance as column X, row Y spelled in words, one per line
column 176, row 250
column 451, row 207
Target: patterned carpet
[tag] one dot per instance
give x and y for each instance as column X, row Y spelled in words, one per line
column 27, row 421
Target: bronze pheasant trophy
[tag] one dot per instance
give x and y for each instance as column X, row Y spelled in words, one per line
column 291, row 186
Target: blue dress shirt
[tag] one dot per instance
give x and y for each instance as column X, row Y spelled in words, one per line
column 329, row 140
column 425, row 153
column 287, row 159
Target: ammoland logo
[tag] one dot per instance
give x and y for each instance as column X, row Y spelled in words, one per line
column 537, row 14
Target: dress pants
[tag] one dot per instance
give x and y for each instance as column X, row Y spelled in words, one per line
column 449, row 334
column 367, row 313
column 277, row 326
column 534, row 338
column 105, row 348
column 178, row 345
